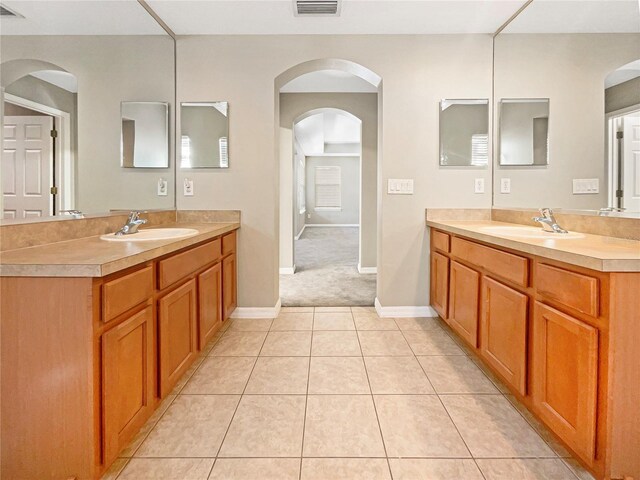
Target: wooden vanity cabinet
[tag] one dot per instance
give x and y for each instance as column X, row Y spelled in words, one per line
column 565, row 377
column 229, row 275
column 563, row 339
column 177, row 334
column 128, row 386
column 463, row 308
column 102, row 353
column 440, row 284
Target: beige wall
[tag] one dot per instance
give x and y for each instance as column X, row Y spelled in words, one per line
column 109, row 69
column 349, row 214
column 365, row 107
column 417, row 72
column 569, row 69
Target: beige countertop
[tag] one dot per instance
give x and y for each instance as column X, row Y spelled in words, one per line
column 605, row 254
column 93, row 257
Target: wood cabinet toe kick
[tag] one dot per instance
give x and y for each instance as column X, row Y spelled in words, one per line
column 86, row 361
column 563, row 339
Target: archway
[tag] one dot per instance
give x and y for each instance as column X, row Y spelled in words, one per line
column 361, row 103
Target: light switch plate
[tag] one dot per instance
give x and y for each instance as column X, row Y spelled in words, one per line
column 505, row 185
column 400, row 186
column 478, row 185
column 162, row 187
column 586, row 186
column 188, row 187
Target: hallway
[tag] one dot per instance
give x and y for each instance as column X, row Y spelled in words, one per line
column 327, row 271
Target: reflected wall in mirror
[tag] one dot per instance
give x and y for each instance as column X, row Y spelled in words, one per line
column 204, row 135
column 563, row 51
column 145, row 134
column 524, row 132
column 69, row 73
column 464, row 133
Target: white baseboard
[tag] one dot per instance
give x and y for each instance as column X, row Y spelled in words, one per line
column 260, row 312
column 331, row 225
column 287, row 270
column 404, row 311
column 367, row 269
column 297, row 237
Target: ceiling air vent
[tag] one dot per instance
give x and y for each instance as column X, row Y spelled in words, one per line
column 6, row 12
column 320, row 8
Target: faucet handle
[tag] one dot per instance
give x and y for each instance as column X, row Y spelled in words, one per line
column 134, row 215
column 546, row 212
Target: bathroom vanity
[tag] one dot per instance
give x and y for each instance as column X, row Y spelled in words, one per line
column 558, row 321
column 95, row 334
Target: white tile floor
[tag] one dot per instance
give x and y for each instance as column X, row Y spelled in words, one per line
column 341, row 394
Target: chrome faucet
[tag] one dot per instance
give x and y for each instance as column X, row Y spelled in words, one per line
column 133, row 222
column 548, row 221
column 74, row 213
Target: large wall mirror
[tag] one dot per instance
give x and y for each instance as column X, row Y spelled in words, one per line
column 101, row 78
column 464, row 133
column 577, row 64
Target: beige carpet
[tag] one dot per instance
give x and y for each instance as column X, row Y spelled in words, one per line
column 327, row 271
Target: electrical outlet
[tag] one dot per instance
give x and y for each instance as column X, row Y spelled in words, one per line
column 188, row 187
column 505, row 185
column 163, row 187
column 308, row 215
column 478, row 185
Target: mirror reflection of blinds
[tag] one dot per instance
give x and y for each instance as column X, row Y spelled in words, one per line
column 327, row 183
column 224, row 152
column 185, row 151
column 479, row 149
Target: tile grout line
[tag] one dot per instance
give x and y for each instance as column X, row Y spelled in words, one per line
column 175, row 396
column 306, row 398
column 375, row 409
column 236, row 409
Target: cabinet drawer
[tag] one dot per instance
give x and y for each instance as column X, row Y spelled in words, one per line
column 572, row 289
column 440, row 241
column 507, row 265
column 229, row 243
column 172, row 269
column 126, row 292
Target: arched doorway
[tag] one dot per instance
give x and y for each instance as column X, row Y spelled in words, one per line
column 303, row 94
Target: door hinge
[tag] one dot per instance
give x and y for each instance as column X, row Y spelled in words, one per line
column 619, row 135
column 54, row 190
column 619, row 194
column 54, row 133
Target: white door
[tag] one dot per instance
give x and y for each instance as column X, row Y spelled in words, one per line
column 27, row 159
column 631, row 163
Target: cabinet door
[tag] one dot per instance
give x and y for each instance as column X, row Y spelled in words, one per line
column 439, row 283
column 464, row 294
column 229, row 288
column 503, row 332
column 209, row 303
column 127, row 386
column 565, row 377
column 178, row 334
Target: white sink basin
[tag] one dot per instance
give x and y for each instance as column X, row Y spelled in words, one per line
column 530, row 232
column 150, row 234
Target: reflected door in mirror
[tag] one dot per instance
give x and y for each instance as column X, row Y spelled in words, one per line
column 464, row 133
column 524, row 132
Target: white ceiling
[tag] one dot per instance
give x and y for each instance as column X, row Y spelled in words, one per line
column 623, row 74
column 79, row 17
column 314, row 132
column 224, row 17
column 230, row 17
column 64, row 80
column 328, row 81
column 578, row 16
